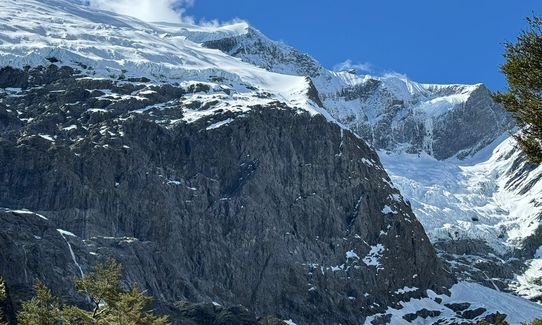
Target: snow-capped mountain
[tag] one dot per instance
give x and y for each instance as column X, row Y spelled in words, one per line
column 102, row 44
column 447, row 147
column 390, row 112
column 482, row 213
column 220, row 166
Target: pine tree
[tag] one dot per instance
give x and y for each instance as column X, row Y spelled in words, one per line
column 111, row 304
column 43, row 309
column 523, row 71
column 2, row 298
column 102, row 286
column 128, row 309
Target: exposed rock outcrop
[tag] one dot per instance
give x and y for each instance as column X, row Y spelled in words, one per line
column 273, row 209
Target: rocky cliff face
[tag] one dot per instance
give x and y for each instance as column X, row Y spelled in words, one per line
column 442, row 121
column 251, row 208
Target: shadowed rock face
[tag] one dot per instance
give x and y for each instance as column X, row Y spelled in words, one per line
column 396, row 115
column 277, row 210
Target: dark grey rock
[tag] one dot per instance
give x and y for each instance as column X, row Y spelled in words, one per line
column 410, row 317
column 457, row 307
column 472, row 314
column 255, row 48
column 474, row 260
column 471, row 127
column 260, row 212
column 382, row 319
column 493, row 318
column 423, row 313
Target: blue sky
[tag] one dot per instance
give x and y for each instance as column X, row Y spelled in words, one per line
column 431, row 41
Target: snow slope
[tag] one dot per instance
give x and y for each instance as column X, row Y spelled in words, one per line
column 252, row 46
column 518, row 310
column 103, row 44
column 494, row 197
column 479, row 198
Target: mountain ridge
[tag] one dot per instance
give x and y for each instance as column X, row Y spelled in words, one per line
column 175, row 157
column 456, row 125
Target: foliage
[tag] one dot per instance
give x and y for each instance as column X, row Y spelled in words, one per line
column 43, row 309
column 2, row 289
column 102, row 286
column 2, row 298
column 111, row 304
column 523, row 71
column 128, row 309
column 535, row 322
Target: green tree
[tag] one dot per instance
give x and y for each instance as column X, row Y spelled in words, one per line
column 2, row 289
column 103, row 286
column 2, row 298
column 43, row 309
column 129, row 310
column 111, row 304
column 534, row 322
column 523, row 71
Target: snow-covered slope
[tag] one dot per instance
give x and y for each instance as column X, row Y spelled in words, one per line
column 487, row 209
column 479, row 198
column 102, row 44
column 465, row 299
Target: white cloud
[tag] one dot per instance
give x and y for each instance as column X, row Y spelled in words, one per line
column 393, row 74
column 148, row 10
column 349, row 65
column 217, row 23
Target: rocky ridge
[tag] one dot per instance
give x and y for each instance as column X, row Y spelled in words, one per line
column 390, row 112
